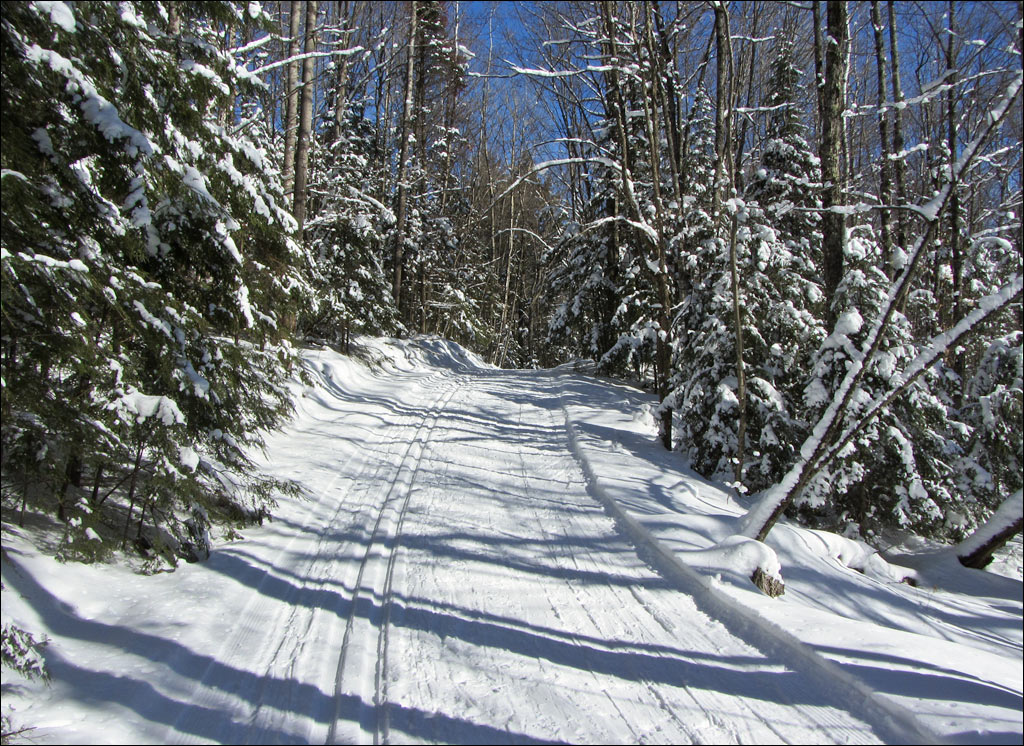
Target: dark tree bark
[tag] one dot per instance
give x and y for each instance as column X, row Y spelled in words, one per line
column 899, row 170
column 955, row 211
column 725, row 173
column 345, row 10
column 819, row 65
column 1006, row 522
column 403, row 161
column 885, row 180
column 833, row 223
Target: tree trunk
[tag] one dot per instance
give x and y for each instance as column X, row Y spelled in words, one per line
column 955, row 220
column 827, row 440
column 884, row 180
column 897, row 134
column 131, row 490
column 663, row 286
column 819, row 68
column 403, row 163
column 833, row 224
column 724, row 158
column 617, row 104
column 291, row 98
column 305, row 134
column 976, row 551
column 341, row 79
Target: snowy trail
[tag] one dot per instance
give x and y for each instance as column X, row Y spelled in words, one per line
column 450, row 577
column 496, row 624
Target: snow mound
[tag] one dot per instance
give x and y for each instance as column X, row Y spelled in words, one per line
column 736, row 554
column 854, row 554
column 419, row 354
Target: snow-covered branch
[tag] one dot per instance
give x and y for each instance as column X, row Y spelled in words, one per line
column 759, row 521
column 298, row 57
column 935, row 350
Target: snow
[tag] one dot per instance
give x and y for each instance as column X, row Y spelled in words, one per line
column 97, row 110
column 497, row 556
column 188, row 457
column 60, row 14
column 1008, row 513
column 134, row 405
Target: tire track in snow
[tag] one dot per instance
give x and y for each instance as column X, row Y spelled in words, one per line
column 524, row 630
column 216, row 690
column 630, row 601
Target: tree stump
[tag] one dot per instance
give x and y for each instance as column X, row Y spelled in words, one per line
column 770, row 586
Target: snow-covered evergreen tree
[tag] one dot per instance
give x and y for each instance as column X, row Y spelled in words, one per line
column 146, row 267
column 900, row 472
column 776, row 240
column 592, row 314
column 346, row 237
column 787, row 303
column 992, row 463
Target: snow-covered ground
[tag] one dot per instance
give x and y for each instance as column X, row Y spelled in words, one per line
column 493, row 556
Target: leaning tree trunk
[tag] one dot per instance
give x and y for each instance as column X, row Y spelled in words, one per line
column 822, row 446
column 977, row 549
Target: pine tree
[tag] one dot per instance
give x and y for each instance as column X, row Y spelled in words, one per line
column 593, row 259
column 785, row 299
column 347, row 238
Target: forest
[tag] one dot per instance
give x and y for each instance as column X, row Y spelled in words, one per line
column 797, row 223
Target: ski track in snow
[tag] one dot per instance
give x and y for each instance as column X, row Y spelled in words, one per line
column 451, row 577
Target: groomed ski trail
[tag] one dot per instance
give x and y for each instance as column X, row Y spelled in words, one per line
column 450, row 579
column 525, row 616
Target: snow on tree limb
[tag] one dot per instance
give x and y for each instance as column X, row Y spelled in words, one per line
column 976, row 550
column 762, row 516
column 307, row 55
column 935, row 350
